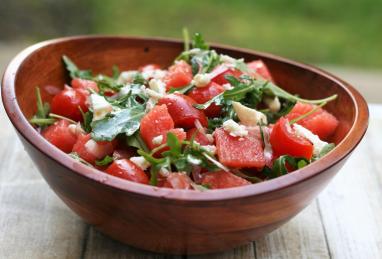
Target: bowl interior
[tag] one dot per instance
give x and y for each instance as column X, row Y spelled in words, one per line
column 41, row 65
column 44, row 67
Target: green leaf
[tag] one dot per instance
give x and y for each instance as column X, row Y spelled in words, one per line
column 105, row 161
column 139, row 79
column 325, row 150
column 87, row 118
column 124, row 121
column 41, row 118
column 136, row 141
column 182, row 90
column 198, row 42
column 286, row 107
column 174, row 144
column 74, row 72
column 277, row 91
column 218, row 99
column 279, row 165
column 116, row 72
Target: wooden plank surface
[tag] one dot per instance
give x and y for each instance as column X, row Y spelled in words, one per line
column 344, row 222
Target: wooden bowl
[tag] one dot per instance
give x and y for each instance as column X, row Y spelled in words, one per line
column 165, row 220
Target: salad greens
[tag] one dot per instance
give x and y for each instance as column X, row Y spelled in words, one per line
column 127, row 101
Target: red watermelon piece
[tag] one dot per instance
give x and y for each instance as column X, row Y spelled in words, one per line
column 321, row 122
column 222, row 179
column 157, row 122
column 239, row 152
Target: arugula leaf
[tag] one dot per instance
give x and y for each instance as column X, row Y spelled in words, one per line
column 325, row 150
column 182, row 90
column 116, row 72
column 286, row 107
column 139, row 79
column 87, row 118
column 198, row 42
column 105, row 161
column 136, row 141
column 173, row 144
column 74, row 72
column 41, row 118
column 123, row 121
column 281, row 93
column 279, row 165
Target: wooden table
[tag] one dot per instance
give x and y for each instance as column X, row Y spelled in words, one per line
column 345, row 221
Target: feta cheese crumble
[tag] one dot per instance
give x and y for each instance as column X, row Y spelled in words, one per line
column 235, row 129
column 273, row 104
column 157, row 140
column 127, row 77
column 157, row 85
column 209, row 148
column 201, row 80
column 227, row 86
column 248, row 116
column 100, row 106
column 140, row 161
column 318, row 144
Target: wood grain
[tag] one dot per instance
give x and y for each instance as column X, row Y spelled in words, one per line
column 159, row 219
column 25, row 198
column 351, row 206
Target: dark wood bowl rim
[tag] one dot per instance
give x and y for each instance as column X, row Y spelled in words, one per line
column 344, row 148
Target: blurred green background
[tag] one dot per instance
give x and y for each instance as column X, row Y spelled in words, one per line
column 314, row 31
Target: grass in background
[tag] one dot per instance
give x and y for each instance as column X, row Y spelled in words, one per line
column 318, row 31
column 313, row 31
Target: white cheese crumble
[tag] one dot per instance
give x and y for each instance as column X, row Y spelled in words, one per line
column 235, row 129
column 227, row 86
column 318, row 144
column 273, row 104
column 227, row 59
column 127, row 77
column 93, row 148
column 209, row 148
column 100, row 106
column 154, row 73
column 153, row 94
column 76, row 129
column 157, row 85
column 194, row 51
column 248, row 116
column 201, row 80
column 157, row 140
column 140, row 161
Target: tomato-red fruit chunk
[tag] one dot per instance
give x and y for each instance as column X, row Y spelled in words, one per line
column 199, row 136
column 239, row 152
column 148, row 67
column 67, row 103
column 284, row 141
column 127, row 170
column 91, row 150
column 222, row 179
column 182, row 110
column 179, row 74
column 204, row 94
column 179, row 181
column 60, row 136
column 259, row 69
column 156, row 122
column 221, row 71
column 83, row 84
column 321, row 122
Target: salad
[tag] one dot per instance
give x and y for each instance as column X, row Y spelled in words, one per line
column 208, row 121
